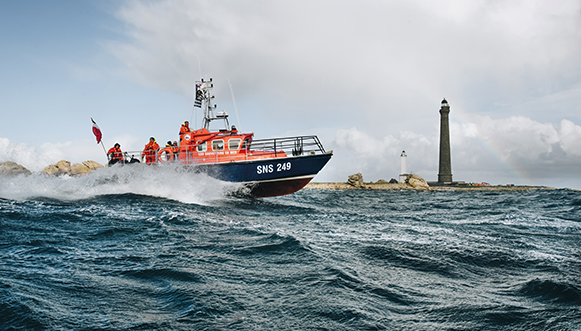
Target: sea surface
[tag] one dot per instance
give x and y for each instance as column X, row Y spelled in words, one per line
column 138, row 249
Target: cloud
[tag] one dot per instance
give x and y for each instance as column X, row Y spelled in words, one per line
column 308, row 51
column 375, row 73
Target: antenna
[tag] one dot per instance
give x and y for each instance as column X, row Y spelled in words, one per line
column 199, row 66
column 234, row 101
column 194, row 116
column 195, row 112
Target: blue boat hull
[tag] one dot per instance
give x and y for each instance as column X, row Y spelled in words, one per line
column 269, row 177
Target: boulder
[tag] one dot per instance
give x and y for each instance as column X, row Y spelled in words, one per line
column 356, row 180
column 417, row 182
column 78, row 170
column 60, row 168
column 85, row 168
column 64, row 167
column 92, row 165
column 10, row 168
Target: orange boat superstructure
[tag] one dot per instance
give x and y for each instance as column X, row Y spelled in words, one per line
column 203, row 146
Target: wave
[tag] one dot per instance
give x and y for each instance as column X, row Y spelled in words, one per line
column 165, row 274
column 15, row 314
column 168, row 181
column 274, row 244
column 410, row 258
column 551, row 291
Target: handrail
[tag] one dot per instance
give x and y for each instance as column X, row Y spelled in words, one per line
column 298, row 145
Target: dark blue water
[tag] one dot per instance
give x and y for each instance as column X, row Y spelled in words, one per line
column 106, row 253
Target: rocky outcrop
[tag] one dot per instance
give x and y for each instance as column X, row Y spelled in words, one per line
column 413, row 183
column 356, row 180
column 368, row 186
column 64, row 167
column 10, row 168
column 60, row 168
column 85, row 168
column 407, row 187
column 417, row 182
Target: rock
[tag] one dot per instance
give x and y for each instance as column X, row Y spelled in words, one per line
column 356, row 180
column 417, row 182
column 50, row 170
column 85, row 168
column 92, row 165
column 60, row 168
column 76, row 170
column 393, row 181
column 13, row 169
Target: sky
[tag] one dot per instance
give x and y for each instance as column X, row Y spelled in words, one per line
column 366, row 76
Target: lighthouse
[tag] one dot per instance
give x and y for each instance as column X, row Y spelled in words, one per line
column 445, row 169
column 403, row 174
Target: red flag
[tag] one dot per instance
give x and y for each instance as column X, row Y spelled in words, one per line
column 96, row 131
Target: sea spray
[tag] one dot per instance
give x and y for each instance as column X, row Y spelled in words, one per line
column 169, row 181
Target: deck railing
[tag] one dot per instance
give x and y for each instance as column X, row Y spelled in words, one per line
column 295, row 146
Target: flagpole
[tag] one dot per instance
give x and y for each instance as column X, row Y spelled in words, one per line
column 104, row 149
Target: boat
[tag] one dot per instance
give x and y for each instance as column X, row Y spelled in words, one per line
column 267, row 167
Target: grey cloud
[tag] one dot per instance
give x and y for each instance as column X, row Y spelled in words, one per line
column 380, row 68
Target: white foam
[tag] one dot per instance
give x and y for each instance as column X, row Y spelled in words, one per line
column 25, row 155
column 168, row 181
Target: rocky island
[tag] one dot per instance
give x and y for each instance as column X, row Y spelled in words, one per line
column 415, row 183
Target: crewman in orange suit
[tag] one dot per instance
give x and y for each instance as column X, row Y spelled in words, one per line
column 176, row 150
column 115, row 154
column 168, row 151
column 150, row 151
column 185, row 128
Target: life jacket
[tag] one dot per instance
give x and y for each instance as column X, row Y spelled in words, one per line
column 116, row 154
column 151, row 148
column 184, row 129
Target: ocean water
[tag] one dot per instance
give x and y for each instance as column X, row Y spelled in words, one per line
column 140, row 249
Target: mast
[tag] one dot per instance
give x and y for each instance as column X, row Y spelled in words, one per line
column 204, row 100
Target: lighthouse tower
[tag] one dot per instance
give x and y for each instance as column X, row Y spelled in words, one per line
column 403, row 175
column 445, row 170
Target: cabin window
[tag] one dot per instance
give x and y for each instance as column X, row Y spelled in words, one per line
column 202, row 147
column 245, row 144
column 218, row 145
column 233, row 144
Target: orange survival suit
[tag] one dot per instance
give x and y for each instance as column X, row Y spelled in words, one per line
column 150, row 151
column 115, row 154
